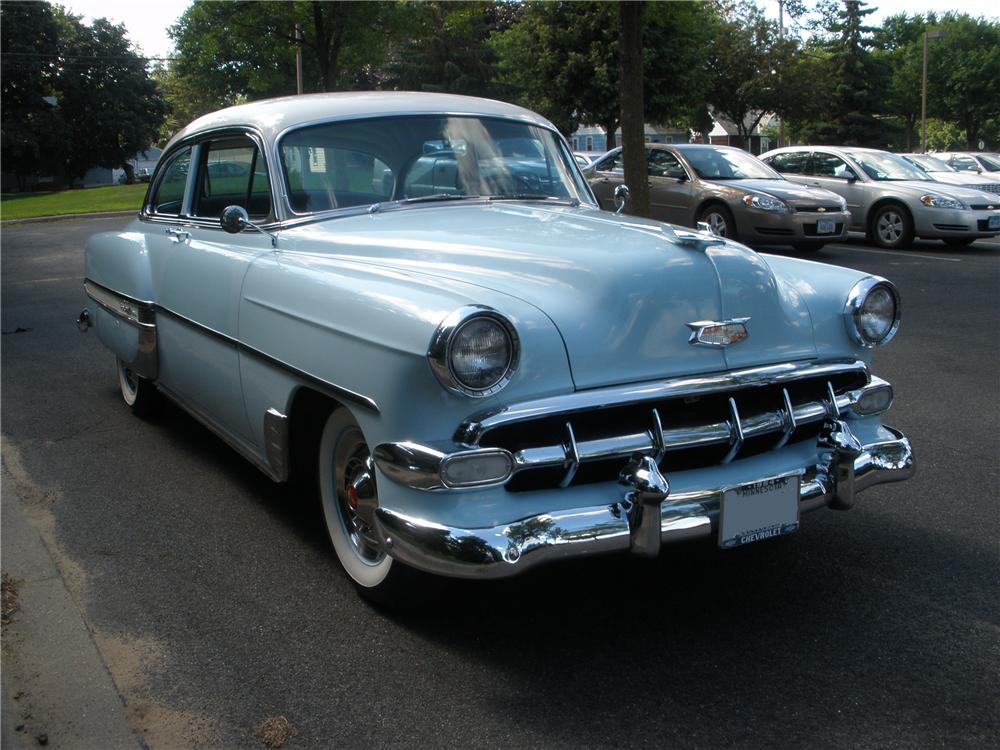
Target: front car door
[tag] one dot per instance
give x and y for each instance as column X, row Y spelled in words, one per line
column 833, row 173
column 609, row 173
column 199, row 278
column 671, row 193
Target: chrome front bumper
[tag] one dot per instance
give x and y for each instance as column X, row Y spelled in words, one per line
column 845, row 468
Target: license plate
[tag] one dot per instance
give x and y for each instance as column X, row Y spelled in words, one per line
column 759, row 510
column 826, row 226
column 995, row 221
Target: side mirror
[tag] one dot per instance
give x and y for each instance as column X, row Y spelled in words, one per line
column 678, row 174
column 621, row 198
column 234, row 219
column 851, row 175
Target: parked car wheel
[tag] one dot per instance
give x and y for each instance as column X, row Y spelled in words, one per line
column 137, row 392
column 343, row 458
column 720, row 219
column 891, row 227
column 959, row 241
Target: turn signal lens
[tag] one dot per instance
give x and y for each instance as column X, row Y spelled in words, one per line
column 474, row 469
column 874, row 401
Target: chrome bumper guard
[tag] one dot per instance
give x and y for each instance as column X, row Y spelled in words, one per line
column 136, row 313
column 632, row 521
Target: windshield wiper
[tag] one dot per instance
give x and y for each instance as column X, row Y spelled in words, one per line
column 533, row 197
column 437, row 197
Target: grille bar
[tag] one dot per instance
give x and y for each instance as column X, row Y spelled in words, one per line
column 657, row 439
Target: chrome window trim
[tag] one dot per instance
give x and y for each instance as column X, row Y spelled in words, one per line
column 852, row 310
column 470, row 432
column 195, row 142
column 439, row 350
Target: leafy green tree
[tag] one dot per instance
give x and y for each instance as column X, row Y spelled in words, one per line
column 105, row 94
column 561, row 59
column 446, row 46
column 32, row 129
column 964, row 71
column 898, row 47
column 858, row 77
column 238, row 51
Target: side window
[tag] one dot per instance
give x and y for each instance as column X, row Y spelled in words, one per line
column 828, row 165
column 612, row 163
column 325, row 177
column 232, row 174
column 794, row 162
column 169, row 194
column 964, row 163
column 663, row 164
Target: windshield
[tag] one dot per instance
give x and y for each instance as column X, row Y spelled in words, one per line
column 727, row 164
column 425, row 158
column 991, row 163
column 883, row 166
column 930, row 163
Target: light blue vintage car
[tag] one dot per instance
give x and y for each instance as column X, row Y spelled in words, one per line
column 413, row 300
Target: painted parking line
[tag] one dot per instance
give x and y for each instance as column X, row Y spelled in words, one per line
column 911, row 256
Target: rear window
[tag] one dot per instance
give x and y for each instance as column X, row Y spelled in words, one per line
column 790, row 163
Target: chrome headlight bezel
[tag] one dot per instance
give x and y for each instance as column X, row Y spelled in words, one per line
column 941, row 201
column 439, row 353
column 855, row 308
column 765, row 202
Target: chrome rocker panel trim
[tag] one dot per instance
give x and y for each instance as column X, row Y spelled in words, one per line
column 510, row 549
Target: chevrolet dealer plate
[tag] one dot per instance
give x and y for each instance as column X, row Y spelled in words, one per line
column 759, row 510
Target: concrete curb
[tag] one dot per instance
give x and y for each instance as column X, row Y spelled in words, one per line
column 63, row 217
column 56, row 686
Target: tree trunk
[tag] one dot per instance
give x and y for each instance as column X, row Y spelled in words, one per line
column 129, row 173
column 630, row 83
column 609, row 128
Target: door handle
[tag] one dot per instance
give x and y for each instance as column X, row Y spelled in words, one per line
column 178, row 235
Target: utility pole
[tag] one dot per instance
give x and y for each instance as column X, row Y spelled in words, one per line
column 781, row 37
column 937, row 34
column 298, row 59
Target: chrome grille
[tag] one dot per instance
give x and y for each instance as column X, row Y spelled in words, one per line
column 993, row 187
column 685, row 432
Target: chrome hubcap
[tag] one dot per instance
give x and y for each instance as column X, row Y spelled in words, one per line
column 355, row 466
column 890, row 227
column 717, row 222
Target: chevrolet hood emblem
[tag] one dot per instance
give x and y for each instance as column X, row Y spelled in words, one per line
column 718, row 332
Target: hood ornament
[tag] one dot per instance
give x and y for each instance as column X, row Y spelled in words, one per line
column 718, row 332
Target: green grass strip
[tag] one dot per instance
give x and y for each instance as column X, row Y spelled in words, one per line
column 68, row 202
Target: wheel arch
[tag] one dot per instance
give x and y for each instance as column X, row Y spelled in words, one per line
column 882, row 203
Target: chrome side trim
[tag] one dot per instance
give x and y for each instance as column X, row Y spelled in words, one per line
column 471, row 431
column 137, row 313
column 512, row 548
column 276, row 443
column 332, row 390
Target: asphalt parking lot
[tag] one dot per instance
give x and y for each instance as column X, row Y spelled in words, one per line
column 214, row 603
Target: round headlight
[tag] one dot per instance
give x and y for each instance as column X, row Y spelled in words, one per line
column 872, row 312
column 474, row 352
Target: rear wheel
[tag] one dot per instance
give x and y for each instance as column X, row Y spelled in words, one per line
column 959, row 241
column 720, row 220
column 891, row 227
column 344, row 465
column 138, row 393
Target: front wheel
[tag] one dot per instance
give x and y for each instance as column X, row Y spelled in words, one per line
column 138, row 393
column 891, row 227
column 720, row 220
column 344, row 465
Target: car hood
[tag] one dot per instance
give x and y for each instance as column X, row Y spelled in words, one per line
column 787, row 191
column 921, row 187
column 963, row 178
column 620, row 292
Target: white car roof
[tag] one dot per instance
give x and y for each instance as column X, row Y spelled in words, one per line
column 273, row 116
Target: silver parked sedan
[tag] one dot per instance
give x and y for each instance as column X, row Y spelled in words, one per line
column 941, row 171
column 736, row 194
column 891, row 200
